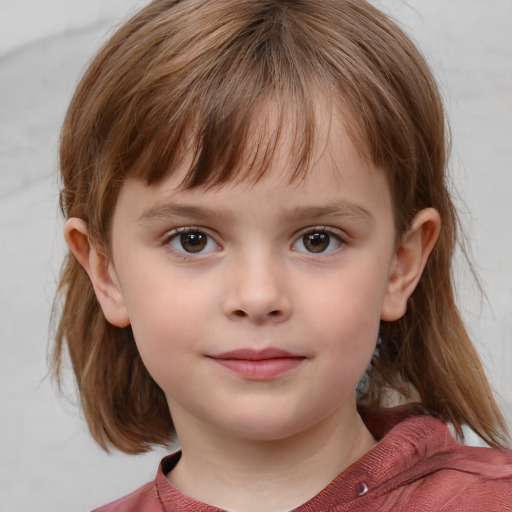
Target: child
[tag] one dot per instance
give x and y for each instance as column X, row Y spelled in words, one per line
column 259, row 224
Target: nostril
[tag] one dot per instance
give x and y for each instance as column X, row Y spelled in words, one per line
column 242, row 314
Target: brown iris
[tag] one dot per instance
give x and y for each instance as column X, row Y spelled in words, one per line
column 193, row 241
column 316, row 241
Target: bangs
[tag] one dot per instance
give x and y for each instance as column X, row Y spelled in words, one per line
column 233, row 143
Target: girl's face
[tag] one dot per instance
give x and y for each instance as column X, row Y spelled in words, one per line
column 256, row 307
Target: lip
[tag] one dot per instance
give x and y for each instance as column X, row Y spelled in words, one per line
column 251, row 354
column 262, row 364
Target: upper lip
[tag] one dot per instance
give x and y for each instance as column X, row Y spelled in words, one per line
column 251, row 354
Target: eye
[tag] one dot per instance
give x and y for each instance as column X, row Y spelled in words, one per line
column 318, row 240
column 192, row 241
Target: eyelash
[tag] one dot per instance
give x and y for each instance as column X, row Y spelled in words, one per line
column 331, row 233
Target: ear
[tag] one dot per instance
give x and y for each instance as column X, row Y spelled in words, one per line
column 100, row 271
column 409, row 261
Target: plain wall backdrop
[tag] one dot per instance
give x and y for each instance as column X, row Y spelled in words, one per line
column 47, row 460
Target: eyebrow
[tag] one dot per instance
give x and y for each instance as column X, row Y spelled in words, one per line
column 170, row 210
column 335, row 209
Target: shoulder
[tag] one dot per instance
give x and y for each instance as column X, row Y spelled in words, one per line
column 148, row 498
column 467, row 478
column 418, row 465
column 456, row 478
column 144, row 499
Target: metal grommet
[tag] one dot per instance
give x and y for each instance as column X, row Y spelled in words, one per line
column 361, row 489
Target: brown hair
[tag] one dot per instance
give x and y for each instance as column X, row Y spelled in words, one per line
column 189, row 77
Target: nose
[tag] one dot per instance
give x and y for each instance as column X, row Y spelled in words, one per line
column 257, row 291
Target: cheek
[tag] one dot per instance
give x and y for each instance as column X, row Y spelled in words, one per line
column 165, row 301
column 346, row 320
column 167, row 323
column 350, row 302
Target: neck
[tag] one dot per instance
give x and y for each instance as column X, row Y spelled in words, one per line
column 243, row 475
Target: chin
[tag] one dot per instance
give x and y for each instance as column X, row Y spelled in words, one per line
column 265, row 428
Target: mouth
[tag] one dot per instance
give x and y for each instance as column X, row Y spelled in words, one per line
column 253, row 364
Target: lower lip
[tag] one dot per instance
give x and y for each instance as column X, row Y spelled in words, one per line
column 261, row 369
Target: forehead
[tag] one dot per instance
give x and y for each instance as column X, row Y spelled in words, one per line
column 282, row 136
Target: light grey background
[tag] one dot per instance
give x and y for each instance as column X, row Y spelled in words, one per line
column 47, row 461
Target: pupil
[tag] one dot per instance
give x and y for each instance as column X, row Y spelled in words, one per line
column 193, row 242
column 316, row 242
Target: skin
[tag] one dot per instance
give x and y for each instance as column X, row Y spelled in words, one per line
column 266, row 444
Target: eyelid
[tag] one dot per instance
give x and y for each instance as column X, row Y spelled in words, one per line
column 179, row 230
column 331, row 230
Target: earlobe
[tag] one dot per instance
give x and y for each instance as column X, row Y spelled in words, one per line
column 409, row 261
column 100, row 270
